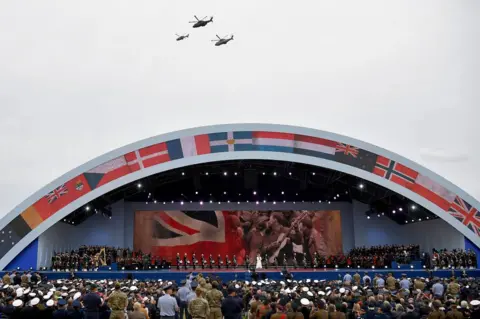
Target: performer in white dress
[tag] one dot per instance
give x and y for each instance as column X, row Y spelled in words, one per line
column 259, row 262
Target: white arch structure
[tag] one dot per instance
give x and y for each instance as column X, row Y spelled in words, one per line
column 260, row 141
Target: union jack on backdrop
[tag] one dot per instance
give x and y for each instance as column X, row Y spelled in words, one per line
column 466, row 213
column 57, row 193
column 347, row 149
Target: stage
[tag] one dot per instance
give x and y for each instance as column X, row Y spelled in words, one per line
column 242, row 274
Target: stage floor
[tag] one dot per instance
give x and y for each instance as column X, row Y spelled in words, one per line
column 242, row 274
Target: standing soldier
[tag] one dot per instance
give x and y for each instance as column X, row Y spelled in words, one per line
column 185, row 261
column 275, row 262
column 285, row 263
column 295, row 262
column 6, row 279
column 265, row 261
column 305, row 261
column 227, row 261
column 356, row 279
column 198, row 308
column 211, row 261
column 194, row 261
column 235, row 262
column 204, row 262
column 214, row 298
column 247, row 262
column 178, row 261
column 118, row 303
column 24, row 279
column 220, row 262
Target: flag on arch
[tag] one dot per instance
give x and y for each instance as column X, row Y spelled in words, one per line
column 273, row 141
column 432, row 191
column 394, row 171
column 465, row 213
column 231, row 141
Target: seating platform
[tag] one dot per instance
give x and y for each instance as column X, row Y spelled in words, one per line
column 242, row 274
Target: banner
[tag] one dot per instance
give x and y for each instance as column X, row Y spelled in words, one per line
column 278, row 234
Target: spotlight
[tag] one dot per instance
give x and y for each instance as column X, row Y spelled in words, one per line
column 324, row 266
column 163, row 203
column 398, row 267
column 400, row 209
column 235, row 173
column 110, row 217
column 419, row 219
column 201, row 202
column 358, row 266
column 336, row 266
column 274, row 173
column 313, row 173
column 181, row 203
column 219, row 203
column 254, row 193
column 413, row 220
column 411, row 266
column 373, row 267
column 385, row 267
column 274, row 203
column 206, row 173
column 196, row 193
column 156, row 267
column 87, row 208
column 338, row 195
column 283, row 192
column 424, row 267
column 428, row 217
column 154, row 201
column 368, row 217
column 264, row 201
column 334, row 198
column 414, row 207
column 256, row 202
column 284, row 201
column 393, row 211
column 228, row 201
column 378, row 215
column 319, row 201
column 290, row 173
column 211, row 201
column 109, row 268
column 329, row 202
column 238, row 203
column 224, row 193
column 139, row 185
column 296, row 194
column 136, row 268
column 224, row 173
column 183, row 173
column 123, row 268
column 406, row 222
column 346, row 192
column 361, row 186
column 383, row 214
column 172, row 201
column 263, row 173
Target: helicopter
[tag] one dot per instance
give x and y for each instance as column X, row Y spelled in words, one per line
column 223, row 40
column 181, row 37
column 201, row 22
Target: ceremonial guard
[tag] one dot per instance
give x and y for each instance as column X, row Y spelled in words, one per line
column 316, row 260
column 295, row 262
column 220, row 261
column 212, row 261
column 247, row 262
column 117, row 302
column 285, row 262
column 178, row 261
column 265, row 261
column 194, row 261
column 305, row 264
column 203, row 261
column 185, row 261
column 234, row 262
column 275, row 262
column 227, row 261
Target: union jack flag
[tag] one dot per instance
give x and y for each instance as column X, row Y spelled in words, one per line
column 347, row 149
column 57, row 193
column 466, row 213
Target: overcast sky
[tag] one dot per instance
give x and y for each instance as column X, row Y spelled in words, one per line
column 80, row 78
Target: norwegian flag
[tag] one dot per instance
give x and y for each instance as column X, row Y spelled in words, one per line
column 466, row 213
column 394, row 171
column 347, row 149
column 56, row 193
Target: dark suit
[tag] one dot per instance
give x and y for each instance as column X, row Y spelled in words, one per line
column 232, row 308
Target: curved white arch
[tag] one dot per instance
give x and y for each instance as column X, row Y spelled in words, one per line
column 232, row 156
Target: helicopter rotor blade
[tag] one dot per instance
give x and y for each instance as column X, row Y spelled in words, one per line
column 192, row 21
column 218, row 37
column 196, row 18
column 177, row 35
column 204, row 18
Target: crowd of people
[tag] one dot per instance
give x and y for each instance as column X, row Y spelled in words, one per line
column 198, row 297
column 90, row 257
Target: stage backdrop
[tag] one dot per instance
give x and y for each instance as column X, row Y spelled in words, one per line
column 239, row 233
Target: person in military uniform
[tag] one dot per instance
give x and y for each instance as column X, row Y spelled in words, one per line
column 356, row 279
column 227, row 261
column 214, row 298
column 178, row 261
column 185, row 261
column 265, row 261
column 194, row 261
column 211, row 261
column 234, row 262
column 391, row 282
column 305, row 263
column 199, row 308
column 204, row 262
column 295, row 262
column 6, row 279
column 247, row 262
column 220, row 262
column 117, row 302
column 453, row 288
column 275, row 262
column 25, row 279
column 285, row 263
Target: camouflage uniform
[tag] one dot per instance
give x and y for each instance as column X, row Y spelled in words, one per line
column 214, row 298
column 198, row 308
column 6, row 280
column 117, row 302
